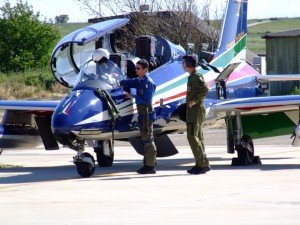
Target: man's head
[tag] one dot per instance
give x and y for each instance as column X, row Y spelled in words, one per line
column 141, row 68
column 189, row 61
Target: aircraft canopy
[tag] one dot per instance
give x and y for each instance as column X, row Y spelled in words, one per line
column 77, row 47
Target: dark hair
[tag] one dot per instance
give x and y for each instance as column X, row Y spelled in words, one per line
column 144, row 63
column 190, row 60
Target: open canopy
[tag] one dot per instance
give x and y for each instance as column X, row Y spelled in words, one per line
column 77, row 47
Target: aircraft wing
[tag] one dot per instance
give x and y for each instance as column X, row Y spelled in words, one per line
column 261, row 117
column 25, row 123
column 259, row 105
column 283, row 77
column 28, row 105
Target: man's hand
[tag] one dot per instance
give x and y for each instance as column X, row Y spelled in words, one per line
column 127, row 95
column 191, row 104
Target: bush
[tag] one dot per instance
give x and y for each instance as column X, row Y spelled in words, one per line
column 25, row 40
column 28, row 84
column 13, row 87
column 296, row 91
column 41, row 78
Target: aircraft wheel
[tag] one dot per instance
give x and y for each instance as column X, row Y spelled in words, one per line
column 245, row 152
column 105, row 153
column 84, row 167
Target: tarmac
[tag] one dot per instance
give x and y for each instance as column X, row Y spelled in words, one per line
column 43, row 187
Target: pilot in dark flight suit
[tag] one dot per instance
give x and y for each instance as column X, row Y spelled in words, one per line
column 145, row 91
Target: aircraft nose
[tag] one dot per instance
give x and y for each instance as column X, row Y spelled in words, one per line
column 79, row 110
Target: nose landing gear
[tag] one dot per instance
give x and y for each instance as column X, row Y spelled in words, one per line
column 84, row 161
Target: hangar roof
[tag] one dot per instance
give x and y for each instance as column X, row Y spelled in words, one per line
column 287, row 33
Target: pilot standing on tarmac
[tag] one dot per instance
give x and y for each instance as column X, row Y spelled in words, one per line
column 195, row 114
column 145, row 91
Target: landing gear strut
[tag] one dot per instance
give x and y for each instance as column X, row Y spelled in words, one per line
column 243, row 144
column 105, row 153
column 84, row 161
column 245, row 152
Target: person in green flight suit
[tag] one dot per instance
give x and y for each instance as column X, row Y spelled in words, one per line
column 195, row 114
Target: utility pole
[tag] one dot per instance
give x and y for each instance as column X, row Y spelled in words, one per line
column 100, row 8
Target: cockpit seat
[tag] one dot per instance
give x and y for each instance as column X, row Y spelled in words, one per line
column 130, row 66
column 119, row 59
column 145, row 49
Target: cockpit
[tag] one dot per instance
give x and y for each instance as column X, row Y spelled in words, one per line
column 105, row 75
column 68, row 60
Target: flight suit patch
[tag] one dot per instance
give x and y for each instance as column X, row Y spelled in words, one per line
column 189, row 88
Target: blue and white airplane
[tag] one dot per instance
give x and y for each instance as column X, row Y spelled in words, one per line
column 96, row 112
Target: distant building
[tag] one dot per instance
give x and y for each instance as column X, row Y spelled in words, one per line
column 283, row 57
column 258, row 62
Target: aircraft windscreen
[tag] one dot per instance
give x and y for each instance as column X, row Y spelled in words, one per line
column 105, row 75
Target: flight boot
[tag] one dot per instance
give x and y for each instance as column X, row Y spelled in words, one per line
column 198, row 170
column 146, row 170
column 191, row 170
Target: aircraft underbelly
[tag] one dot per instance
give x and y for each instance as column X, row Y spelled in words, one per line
column 273, row 124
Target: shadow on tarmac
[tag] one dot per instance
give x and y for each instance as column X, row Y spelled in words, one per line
column 21, row 175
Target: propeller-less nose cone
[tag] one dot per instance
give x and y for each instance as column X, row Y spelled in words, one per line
column 81, row 109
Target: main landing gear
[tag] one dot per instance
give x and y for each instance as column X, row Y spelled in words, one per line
column 243, row 144
column 245, row 153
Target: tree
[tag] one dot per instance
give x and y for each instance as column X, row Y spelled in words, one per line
column 25, row 41
column 181, row 21
column 62, row 19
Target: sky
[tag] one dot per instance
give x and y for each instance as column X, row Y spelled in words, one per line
column 257, row 9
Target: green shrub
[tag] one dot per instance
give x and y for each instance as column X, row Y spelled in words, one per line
column 26, row 41
column 27, row 84
column 40, row 78
column 296, row 91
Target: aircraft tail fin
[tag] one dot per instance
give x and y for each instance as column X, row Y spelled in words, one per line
column 232, row 41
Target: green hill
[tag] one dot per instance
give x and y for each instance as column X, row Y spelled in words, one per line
column 258, row 45
column 66, row 28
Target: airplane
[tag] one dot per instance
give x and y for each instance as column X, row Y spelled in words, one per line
column 96, row 112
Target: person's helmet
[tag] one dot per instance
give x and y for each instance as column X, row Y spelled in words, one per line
column 100, row 54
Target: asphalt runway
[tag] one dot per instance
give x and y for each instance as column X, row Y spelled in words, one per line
column 41, row 187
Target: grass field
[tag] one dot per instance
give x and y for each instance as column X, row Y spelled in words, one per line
column 258, row 45
column 67, row 28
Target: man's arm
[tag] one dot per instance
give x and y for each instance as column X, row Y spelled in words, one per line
column 201, row 89
column 131, row 83
column 127, row 84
